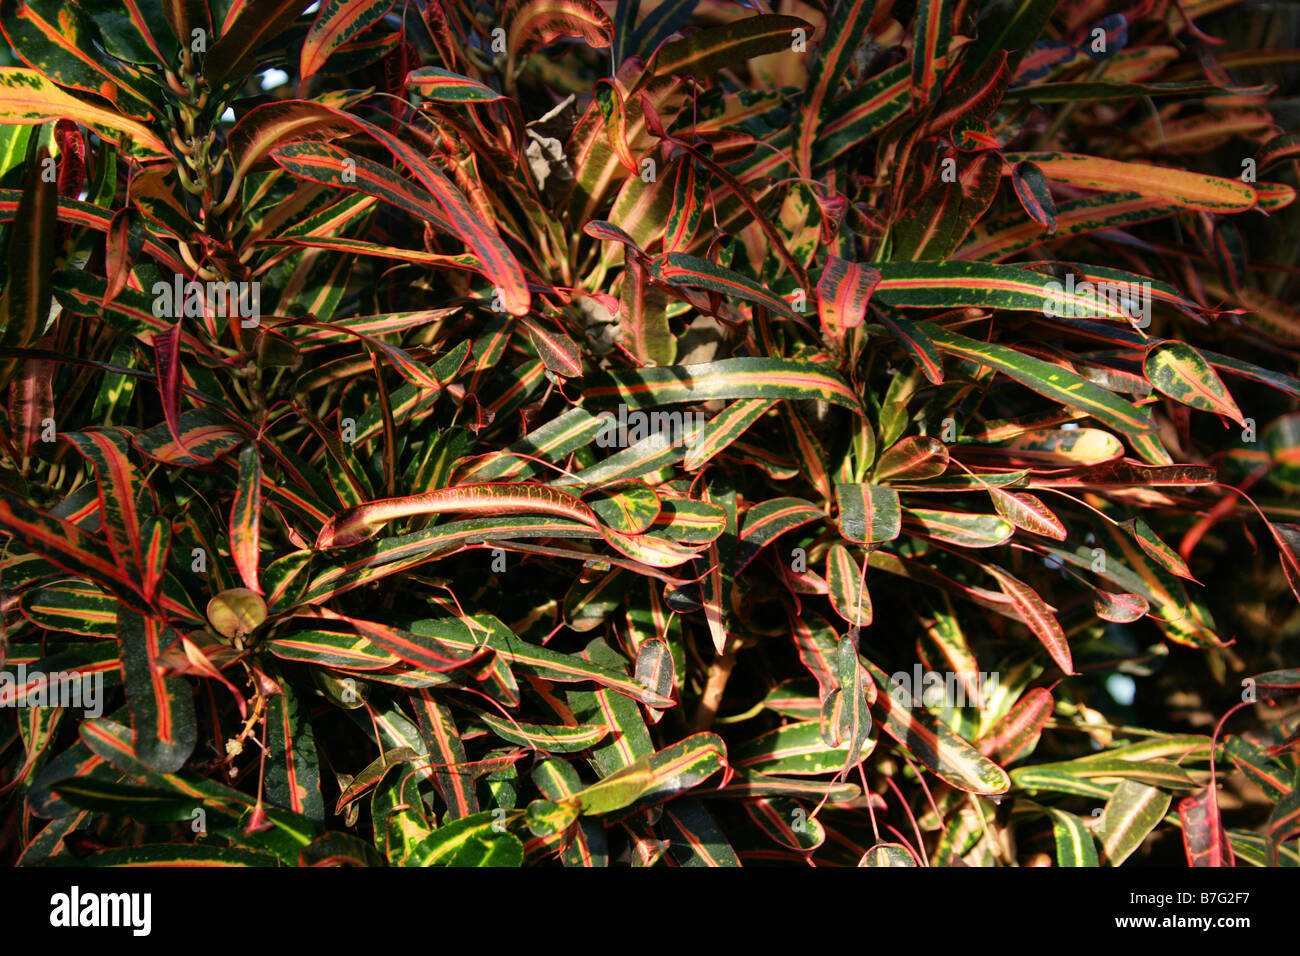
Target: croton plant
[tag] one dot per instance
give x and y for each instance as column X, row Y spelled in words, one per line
column 671, row 433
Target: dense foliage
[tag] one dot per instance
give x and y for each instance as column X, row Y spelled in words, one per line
column 691, row 433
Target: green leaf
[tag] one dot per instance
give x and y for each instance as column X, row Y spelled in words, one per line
column 72, row 607
column 549, row 738
column 162, row 708
column 796, row 749
column 477, row 840
column 1049, row 380
column 868, row 514
column 702, row 53
column 169, row 854
column 961, row 528
column 726, row 379
column 1074, row 843
column 25, row 306
column 1179, row 371
column 843, row 293
column 696, row 838
column 1035, row 194
column 435, row 83
column 1131, row 813
column 292, row 769
column 336, row 23
column 888, row 855
column 844, row 588
column 144, row 804
column 933, row 742
column 692, row 272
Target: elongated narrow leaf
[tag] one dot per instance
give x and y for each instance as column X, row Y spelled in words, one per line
column 292, row 772
column 332, row 166
column 202, row 435
column 332, row 649
column 499, row 263
column 1204, row 839
column 64, row 43
column 687, row 520
column 162, row 708
column 1016, row 734
column 930, row 48
column 1121, row 608
column 1075, row 845
column 962, row 528
column 1048, row 380
column 274, row 124
column 72, row 607
column 913, row 458
column 723, row 429
column 119, row 489
column 726, row 378
column 1161, row 553
column 64, row 544
column 767, row 521
column 678, row 268
column 558, row 352
column 549, row 738
column 171, row 854
column 952, row 283
column 917, row 345
column 336, row 23
column 844, row 32
column 435, row 83
column 364, row 521
column 857, row 115
column 1036, row 614
column 645, row 316
column 843, row 582
column 701, row 53
column 245, row 518
column 681, row 766
column 25, row 306
column 447, row 753
column 554, row 666
column 690, row 190
column 1127, row 473
column 1176, row 186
